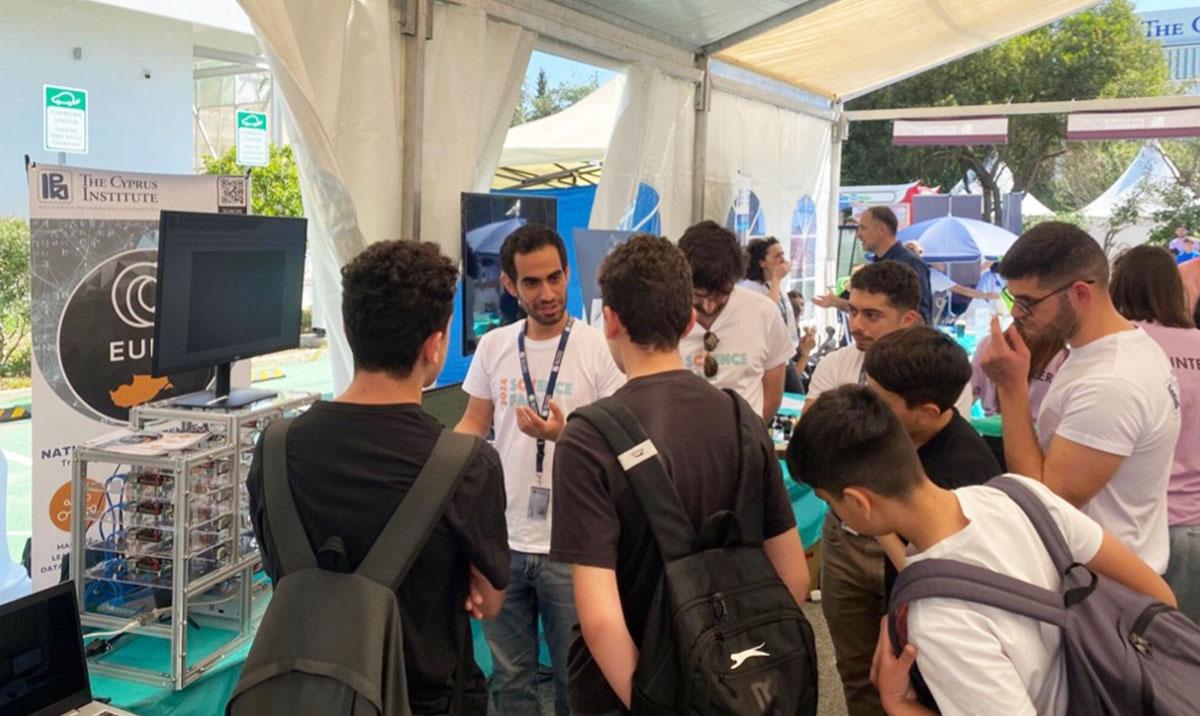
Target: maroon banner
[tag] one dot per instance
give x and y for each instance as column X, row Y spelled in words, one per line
column 950, row 132
column 1139, row 124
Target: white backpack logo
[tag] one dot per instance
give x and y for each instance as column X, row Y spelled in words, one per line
column 742, row 656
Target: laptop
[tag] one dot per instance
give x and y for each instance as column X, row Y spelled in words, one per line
column 447, row 403
column 43, row 671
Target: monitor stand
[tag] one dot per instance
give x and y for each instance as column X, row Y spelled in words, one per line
column 223, row 398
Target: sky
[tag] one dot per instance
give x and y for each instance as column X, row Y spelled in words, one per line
column 560, row 69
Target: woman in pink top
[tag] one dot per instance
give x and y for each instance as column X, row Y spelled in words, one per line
column 1146, row 288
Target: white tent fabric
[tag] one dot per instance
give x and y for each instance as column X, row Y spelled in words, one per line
column 469, row 100
column 651, row 143
column 1030, row 205
column 579, row 133
column 784, row 157
column 1149, row 171
column 833, row 50
column 338, row 66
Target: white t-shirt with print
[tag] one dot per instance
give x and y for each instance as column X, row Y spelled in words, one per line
column 845, row 367
column 587, row 374
column 753, row 340
column 983, row 660
column 784, row 308
column 1118, row 395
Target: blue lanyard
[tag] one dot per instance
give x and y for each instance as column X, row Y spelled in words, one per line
column 544, row 411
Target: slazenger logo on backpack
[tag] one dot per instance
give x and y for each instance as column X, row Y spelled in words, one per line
column 740, row 658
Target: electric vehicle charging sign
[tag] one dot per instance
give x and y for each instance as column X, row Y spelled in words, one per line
column 252, row 144
column 64, row 119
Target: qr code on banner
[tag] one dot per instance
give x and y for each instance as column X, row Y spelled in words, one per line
column 231, row 192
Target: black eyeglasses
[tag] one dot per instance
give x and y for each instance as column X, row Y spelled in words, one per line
column 710, row 345
column 1027, row 305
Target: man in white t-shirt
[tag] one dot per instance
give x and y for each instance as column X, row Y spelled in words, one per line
column 884, row 298
column 1107, row 428
column 739, row 341
column 523, row 380
column 854, row 452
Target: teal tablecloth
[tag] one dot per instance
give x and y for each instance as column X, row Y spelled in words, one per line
column 207, row 696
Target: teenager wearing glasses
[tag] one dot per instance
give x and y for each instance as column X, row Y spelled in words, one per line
column 738, row 341
column 1107, row 428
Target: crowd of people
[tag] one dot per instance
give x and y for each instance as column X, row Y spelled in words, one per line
column 547, row 539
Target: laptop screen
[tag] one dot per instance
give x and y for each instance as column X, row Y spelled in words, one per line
column 447, row 403
column 42, row 668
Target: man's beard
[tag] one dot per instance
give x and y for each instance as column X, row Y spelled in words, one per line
column 540, row 318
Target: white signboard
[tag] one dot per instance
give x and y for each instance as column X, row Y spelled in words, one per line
column 252, row 143
column 64, row 119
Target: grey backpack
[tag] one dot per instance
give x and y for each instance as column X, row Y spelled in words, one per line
column 331, row 642
column 1125, row 652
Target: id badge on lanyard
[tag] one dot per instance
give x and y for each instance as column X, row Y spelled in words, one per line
column 539, row 494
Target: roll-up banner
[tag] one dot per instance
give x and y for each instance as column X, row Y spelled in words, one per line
column 93, row 254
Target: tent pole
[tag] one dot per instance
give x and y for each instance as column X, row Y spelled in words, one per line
column 700, row 139
column 415, row 26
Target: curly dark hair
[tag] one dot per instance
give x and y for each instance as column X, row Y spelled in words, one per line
column 1055, row 252
column 395, row 294
column 921, row 365
column 525, row 240
column 756, row 251
column 716, row 259
column 893, row 278
column 648, row 283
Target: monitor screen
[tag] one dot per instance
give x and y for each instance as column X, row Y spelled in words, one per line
column 228, row 288
column 487, row 220
column 41, row 654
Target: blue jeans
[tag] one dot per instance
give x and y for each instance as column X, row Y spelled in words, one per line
column 539, row 588
column 1183, row 569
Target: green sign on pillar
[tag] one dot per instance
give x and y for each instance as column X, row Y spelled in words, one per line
column 252, row 142
column 64, row 119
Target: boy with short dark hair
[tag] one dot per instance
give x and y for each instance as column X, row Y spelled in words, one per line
column 920, row 373
column 853, row 451
column 601, row 529
column 351, row 460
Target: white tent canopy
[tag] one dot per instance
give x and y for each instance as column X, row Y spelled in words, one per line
column 1030, row 205
column 1149, row 171
column 579, row 133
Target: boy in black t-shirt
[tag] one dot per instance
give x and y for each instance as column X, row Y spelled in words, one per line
column 599, row 526
column 350, row 462
column 920, row 373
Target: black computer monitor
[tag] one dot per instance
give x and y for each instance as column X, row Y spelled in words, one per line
column 229, row 288
column 42, row 667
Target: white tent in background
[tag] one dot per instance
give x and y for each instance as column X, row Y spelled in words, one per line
column 1148, row 173
column 579, row 133
column 1030, row 206
column 1144, row 178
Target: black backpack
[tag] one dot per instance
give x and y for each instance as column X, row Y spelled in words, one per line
column 724, row 635
column 330, row 643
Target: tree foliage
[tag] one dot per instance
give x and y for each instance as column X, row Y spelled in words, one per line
column 274, row 189
column 1102, row 53
column 14, row 296
column 542, row 100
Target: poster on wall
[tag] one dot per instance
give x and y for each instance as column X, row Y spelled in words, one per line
column 487, row 220
column 591, row 246
column 93, row 254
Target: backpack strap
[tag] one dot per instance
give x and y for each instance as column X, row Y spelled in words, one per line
column 1039, row 515
column 647, row 474
column 749, row 506
column 411, row 525
column 291, row 541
